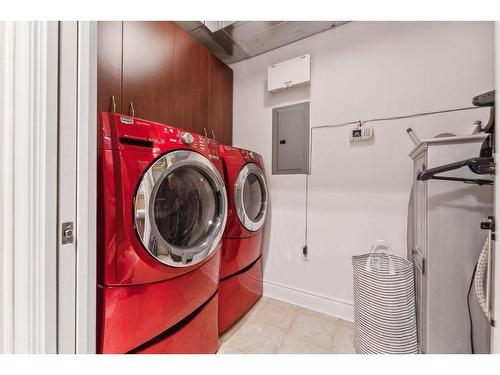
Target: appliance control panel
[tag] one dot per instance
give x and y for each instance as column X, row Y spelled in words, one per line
column 138, row 129
column 361, row 133
column 196, row 141
column 249, row 155
column 187, row 138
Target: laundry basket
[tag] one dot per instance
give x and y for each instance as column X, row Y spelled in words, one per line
column 384, row 303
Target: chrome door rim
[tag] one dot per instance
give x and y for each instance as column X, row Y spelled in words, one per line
column 148, row 231
column 246, row 221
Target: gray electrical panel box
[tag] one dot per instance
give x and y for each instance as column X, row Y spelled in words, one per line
column 291, row 139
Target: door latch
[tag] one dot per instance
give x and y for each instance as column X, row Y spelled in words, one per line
column 489, row 225
column 67, row 233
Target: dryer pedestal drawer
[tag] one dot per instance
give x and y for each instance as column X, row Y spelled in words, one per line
column 237, row 294
column 197, row 336
column 238, row 253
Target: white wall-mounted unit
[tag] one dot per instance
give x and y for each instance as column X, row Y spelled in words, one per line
column 290, row 73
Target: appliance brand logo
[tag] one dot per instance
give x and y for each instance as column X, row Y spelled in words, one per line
column 126, row 120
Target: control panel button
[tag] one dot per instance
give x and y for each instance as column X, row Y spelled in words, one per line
column 252, row 155
column 187, row 138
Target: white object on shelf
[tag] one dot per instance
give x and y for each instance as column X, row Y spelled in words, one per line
column 289, row 74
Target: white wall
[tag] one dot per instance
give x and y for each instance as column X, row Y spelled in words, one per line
column 358, row 193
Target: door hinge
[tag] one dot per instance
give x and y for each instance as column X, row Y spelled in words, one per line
column 67, row 233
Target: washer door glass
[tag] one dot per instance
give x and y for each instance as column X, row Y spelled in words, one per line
column 185, row 207
column 180, row 208
column 250, row 195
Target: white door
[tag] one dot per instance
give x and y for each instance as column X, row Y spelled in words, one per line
column 495, row 331
column 47, row 173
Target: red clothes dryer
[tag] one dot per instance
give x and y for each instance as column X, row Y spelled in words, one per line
column 241, row 269
column 162, row 209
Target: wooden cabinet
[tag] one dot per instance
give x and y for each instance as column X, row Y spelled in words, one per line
column 159, row 72
column 148, row 62
column 109, row 66
column 221, row 101
column 191, row 83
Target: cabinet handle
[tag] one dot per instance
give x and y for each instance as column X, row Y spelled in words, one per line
column 213, row 135
column 205, row 132
column 113, row 104
column 131, row 109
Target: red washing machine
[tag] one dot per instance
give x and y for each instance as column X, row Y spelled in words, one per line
column 162, row 210
column 241, row 269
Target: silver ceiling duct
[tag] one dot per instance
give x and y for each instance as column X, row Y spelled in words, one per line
column 233, row 41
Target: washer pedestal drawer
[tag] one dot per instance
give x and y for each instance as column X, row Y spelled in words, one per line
column 131, row 316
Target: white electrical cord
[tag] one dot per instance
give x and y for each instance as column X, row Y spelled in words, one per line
column 481, row 279
column 361, row 123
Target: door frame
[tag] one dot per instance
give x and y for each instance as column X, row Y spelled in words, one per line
column 77, row 186
column 28, row 199
column 86, row 203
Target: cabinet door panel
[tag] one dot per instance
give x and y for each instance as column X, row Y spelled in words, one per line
column 148, row 58
column 109, row 65
column 221, row 101
column 191, row 83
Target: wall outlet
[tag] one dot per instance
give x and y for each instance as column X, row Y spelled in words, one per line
column 363, row 133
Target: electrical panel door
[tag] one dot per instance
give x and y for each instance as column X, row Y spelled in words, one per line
column 291, row 139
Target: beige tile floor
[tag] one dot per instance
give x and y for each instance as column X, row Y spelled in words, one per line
column 272, row 326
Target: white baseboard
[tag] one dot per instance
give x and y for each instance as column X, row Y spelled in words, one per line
column 313, row 301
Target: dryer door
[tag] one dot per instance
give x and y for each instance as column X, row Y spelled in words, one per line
column 180, row 208
column 250, row 197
